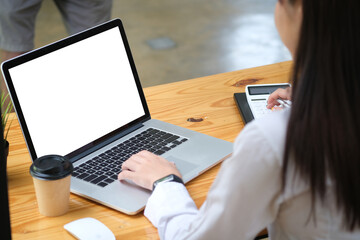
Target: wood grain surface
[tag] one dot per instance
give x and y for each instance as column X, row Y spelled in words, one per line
column 204, row 104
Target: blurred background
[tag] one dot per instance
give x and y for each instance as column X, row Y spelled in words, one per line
column 173, row 40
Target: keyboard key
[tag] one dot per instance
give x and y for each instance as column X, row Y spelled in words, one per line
column 115, row 176
column 96, row 167
column 105, row 157
column 102, row 184
column 81, row 165
column 176, row 142
column 171, row 139
column 86, row 167
column 117, row 163
column 117, row 157
column 161, row 133
column 165, row 149
column 166, row 136
column 98, row 179
column 89, row 178
column 109, row 180
column 152, row 150
column 162, row 143
column 83, row 175
column 116, row 170
column 144, row 142
column 159, row 152
column 152, row 131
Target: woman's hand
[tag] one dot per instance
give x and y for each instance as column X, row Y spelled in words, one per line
column 284, row 94
column 144, row 168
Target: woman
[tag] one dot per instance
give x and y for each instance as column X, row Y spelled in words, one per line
column 296, row 172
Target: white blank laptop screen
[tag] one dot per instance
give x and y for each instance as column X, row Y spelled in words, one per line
column 77, row 94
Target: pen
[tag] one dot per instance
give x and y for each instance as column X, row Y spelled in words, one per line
column 284, row 103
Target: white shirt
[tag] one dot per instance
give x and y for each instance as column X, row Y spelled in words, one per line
column 246, row 196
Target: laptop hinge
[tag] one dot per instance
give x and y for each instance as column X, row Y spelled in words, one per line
column 103, row 143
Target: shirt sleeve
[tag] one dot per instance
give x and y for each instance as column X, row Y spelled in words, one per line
column 243, row 200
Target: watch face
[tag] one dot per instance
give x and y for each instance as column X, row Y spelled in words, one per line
column 164, row 179
column 168, row 178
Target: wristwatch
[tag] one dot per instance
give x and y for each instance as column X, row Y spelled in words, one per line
column 168, row 178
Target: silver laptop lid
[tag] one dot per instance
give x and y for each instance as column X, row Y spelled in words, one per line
column 78, row 94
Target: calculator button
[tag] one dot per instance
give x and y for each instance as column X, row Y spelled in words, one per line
column 259, row 109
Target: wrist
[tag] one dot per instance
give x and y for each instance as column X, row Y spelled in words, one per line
column 168, row 178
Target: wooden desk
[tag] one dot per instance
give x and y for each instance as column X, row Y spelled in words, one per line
column 208, row 101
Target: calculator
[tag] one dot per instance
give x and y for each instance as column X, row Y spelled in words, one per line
column 257, row 96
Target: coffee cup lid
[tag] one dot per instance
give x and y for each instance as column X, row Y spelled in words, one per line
column 51, row 167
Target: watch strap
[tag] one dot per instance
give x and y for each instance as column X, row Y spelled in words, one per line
column 168, row 178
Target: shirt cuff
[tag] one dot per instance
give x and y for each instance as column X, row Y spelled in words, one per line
column 169, row 199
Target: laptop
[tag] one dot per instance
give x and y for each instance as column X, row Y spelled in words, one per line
column 81, row 97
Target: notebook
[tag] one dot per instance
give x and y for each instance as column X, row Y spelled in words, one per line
column 81, row 97
column 243, row 107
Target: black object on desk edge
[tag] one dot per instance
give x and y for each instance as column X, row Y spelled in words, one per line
column 4, row 197
column 243, row 106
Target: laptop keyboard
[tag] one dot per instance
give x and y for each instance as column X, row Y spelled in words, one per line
column 104, row 168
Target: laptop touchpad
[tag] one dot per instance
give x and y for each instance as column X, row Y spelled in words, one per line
column 184, row 167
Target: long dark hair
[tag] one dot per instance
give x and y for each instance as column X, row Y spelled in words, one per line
column 323, row 135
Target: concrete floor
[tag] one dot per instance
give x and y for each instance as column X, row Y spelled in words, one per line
column 173, row 40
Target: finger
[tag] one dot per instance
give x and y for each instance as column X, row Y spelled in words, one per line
column 146, row 154
column 130, row 164
column 149, row 157
column 136, row 178
column 276, row 108
column 136, row 158
column 279, row 93
column 283, row 94
column 288, row 90
column 272, row 99
column 272, row 104
column 126, row 175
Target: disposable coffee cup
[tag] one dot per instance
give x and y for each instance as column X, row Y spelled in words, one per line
column 51, row 176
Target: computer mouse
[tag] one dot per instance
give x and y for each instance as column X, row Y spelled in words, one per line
column 89, row 229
